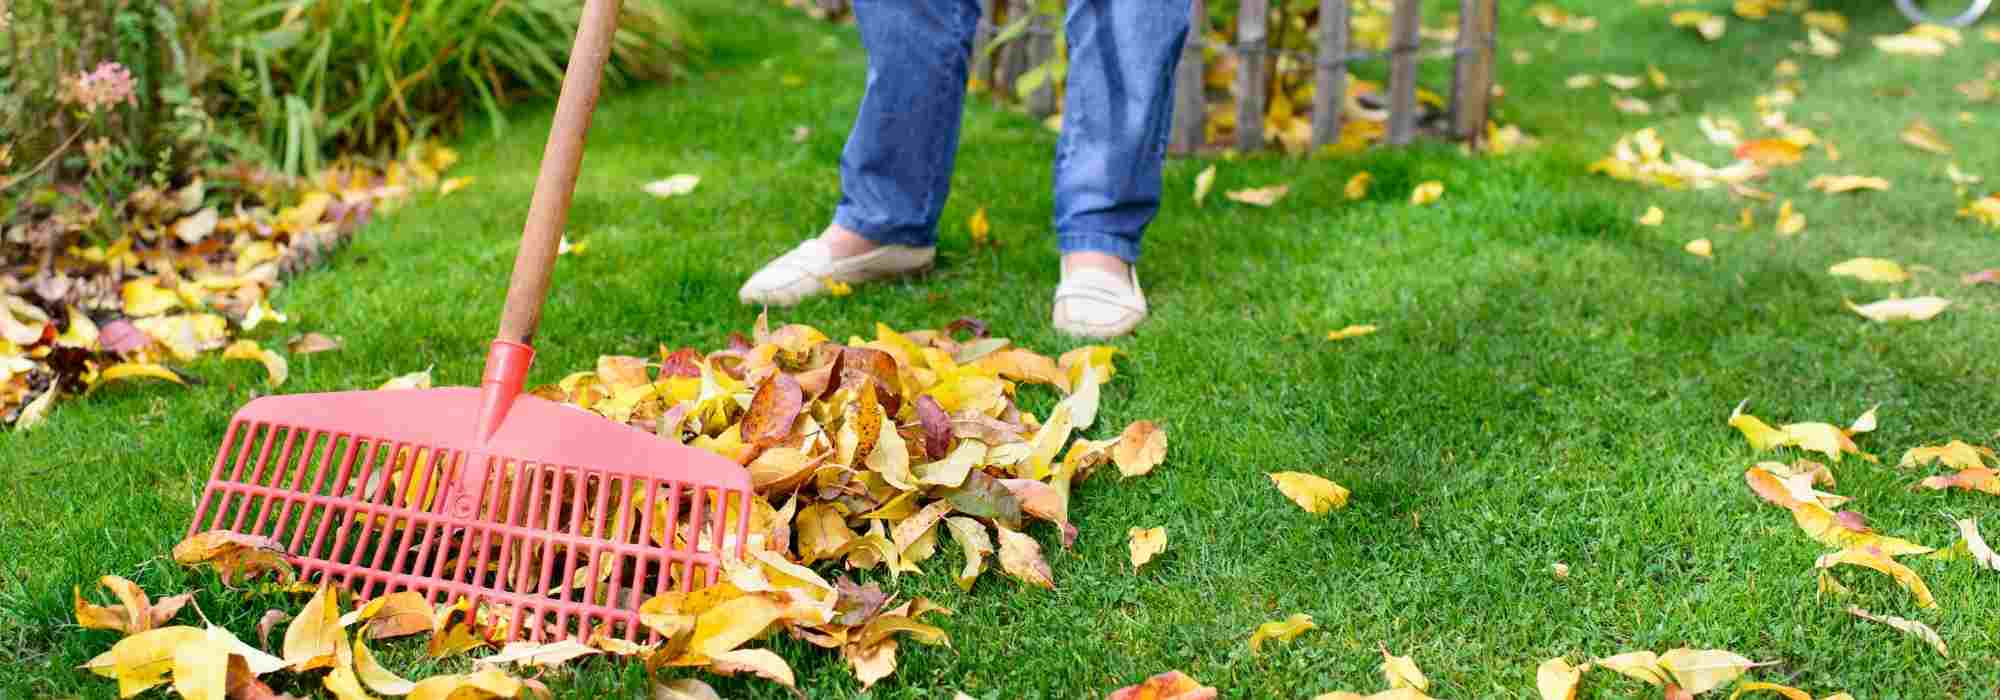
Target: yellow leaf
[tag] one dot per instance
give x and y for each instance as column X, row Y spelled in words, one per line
column 1580, row 81
column 1700, row 247
column 1203, row 181
column 1827, row 21
column 274, row 366
column 143, row 660
column 1709, row 25
column 1834, row 184
column 727, row 626
column 1752, row 686
column 1761, row 435
column 1140, row 448
column 345, row 684
column 1652, row 217
column 1622, row 82
column 1021, row 557
column 1955, row 454
column 1657, row 78
column 1641, row 665
column 488, row 682
column 1905, row 577
column 144, row 297
column 1147, row 543
column 1402, row 671
column 453, row 185
column 1259, row 196
column 374, row 675
column 1313, row 493
column 971, row 536
column 234, row 554
column 413, row 380
column 673, row 186
column 1770, row 153
column 1701, row 670
column 394, row 615
column 82, row 333
column 1352, row 331
column 1281, row 630
column 314, row 638
column 1910, row 45
column 1789, row 222
column 1911, row 309
column 838, row 288
column 1357, row 186
column 186, row 335
column 1909, row 627
column 979, row 227
column 1919, row 134
column 129, row 370
column 1555, row 679
column 1823, row 438
column 1426, row 192
column 1871, row 270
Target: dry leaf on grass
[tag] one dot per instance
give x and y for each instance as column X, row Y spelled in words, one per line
column 311, row 343
column 274, row 366
column 1172, row 685
column 1834, row 184
column 1281, row 630
column 1919, row 134
column 314, row 639
column 1402, row 671
column 1259, row 196
column 1956, row 454
column 1789, row 692
column 1426, row 192
column 1652, row 217
column 1145, row 544
column 1203, row 182
column 1979, row 479
column 1700, row 248
column 1910, row 627
column 1789, row 221
column 1352, row 331
column 1357, row 186
column 1140, row 448
column 413, row 380
column 1910, row 309
column 1555, row 679
column 135, row 612
column 234, row 555
column 1313, row 493
column 1871, row 270
column 673, row 186
column 979, row 228
column 1877, row 561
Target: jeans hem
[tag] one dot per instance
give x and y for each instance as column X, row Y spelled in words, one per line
column 913, row 236
column 1122, row 246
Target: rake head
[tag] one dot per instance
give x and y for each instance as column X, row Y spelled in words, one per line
column 560, row 521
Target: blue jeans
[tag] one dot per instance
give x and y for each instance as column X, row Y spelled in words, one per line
column 896, row 170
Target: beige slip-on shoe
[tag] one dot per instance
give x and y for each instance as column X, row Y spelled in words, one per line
column 1096, row 304
column 803, row 272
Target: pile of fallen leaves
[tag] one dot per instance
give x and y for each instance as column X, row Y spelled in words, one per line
column 191, row 271
column 878, row 449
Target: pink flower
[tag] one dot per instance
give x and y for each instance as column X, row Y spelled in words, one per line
column 108, row 85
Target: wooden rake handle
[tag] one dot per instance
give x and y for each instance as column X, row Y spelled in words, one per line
column 549, row 212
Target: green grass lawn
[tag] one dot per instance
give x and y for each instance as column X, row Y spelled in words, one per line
column 1549, row 384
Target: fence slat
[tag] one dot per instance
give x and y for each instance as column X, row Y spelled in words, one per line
column 982, row 60
column 1190, row 127
column 1403, row 45
column 1012, row 60
column 1251, row 60
column 1472, row 77
column 1330, row 75
column 1041, row 48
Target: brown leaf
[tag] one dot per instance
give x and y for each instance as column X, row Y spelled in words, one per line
column 270, row 619
column 311, row 343
column 773, row 409
column 234, row 554
column 936, row 427
column 395, row 615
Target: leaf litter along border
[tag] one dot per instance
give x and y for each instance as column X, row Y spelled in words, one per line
column 878, row 450
column 190, row 273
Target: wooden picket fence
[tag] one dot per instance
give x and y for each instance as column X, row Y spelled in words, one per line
column 1467, row 111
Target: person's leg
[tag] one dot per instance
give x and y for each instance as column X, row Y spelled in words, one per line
column 1119, row 105
column 895, row 171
